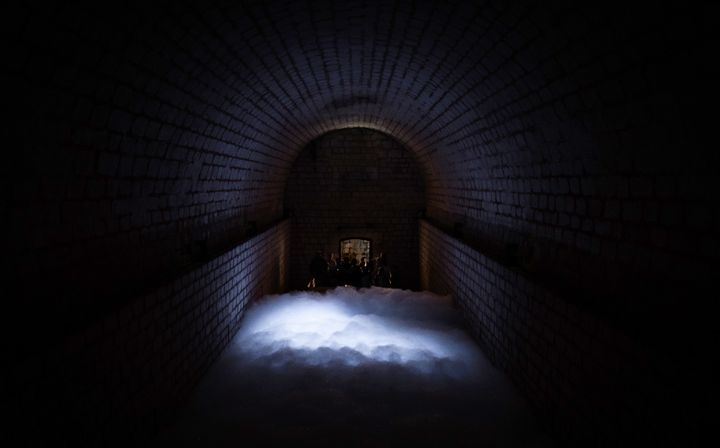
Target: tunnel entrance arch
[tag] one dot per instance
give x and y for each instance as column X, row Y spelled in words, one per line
column 355, row 183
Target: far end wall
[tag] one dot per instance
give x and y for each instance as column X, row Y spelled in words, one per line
column 355, row 183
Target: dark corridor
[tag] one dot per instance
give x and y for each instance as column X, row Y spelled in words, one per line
column 548, row 163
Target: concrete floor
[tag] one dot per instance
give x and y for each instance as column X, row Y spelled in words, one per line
column 374, row 367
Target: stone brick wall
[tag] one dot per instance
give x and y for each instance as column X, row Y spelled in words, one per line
column 577, row 173
column 160, row 134
column 127, row 166
column 117, row 380
column 355, row 183
column 592, row 382
column 567, row 140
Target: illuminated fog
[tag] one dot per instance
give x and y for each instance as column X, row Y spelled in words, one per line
column 352, row 328
column 354, row 366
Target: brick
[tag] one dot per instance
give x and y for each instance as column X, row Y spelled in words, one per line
column 364, row 189
column 496, row 106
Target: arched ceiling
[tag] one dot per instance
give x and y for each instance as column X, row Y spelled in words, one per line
column 258, row 80
column 143, row 127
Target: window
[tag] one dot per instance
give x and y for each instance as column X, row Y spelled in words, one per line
column 355, row 248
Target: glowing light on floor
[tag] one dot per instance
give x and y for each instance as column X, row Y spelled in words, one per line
column 383, row 366
column 352, row 327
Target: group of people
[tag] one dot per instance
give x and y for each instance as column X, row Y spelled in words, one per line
column 349, row 272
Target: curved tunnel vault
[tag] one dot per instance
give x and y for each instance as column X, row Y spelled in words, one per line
column 563, row 142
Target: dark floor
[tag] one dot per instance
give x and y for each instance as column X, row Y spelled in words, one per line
column 374, row 367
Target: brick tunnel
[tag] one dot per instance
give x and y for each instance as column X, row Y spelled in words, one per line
column 542, row 163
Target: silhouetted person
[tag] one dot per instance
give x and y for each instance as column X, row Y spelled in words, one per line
column 365, row 274
column 354, row 273
column 332, row 271
column 318, row 270
column 382, row 259
column 344, row 271
column 383, row 276
column 332, row 263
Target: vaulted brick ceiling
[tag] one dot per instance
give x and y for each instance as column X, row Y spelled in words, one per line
column 139, row 125
column 463, row 85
